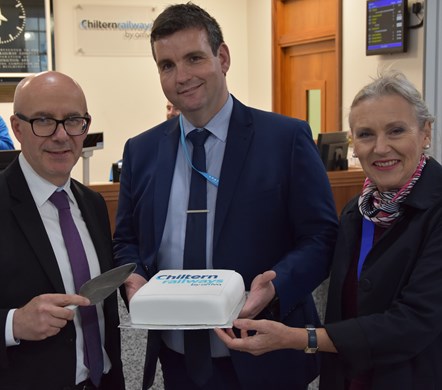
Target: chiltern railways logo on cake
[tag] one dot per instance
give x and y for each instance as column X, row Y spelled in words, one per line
column 193, row 280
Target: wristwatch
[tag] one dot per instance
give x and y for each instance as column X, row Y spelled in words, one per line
column 312, row 341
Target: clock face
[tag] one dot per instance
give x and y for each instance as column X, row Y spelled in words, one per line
column 12, row 20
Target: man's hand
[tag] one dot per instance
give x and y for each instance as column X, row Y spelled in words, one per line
column 45, row 315
column 261, row 293
column 133, row 283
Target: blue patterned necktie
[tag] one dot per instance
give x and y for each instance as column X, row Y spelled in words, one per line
column 93, row 354
column 197, row 342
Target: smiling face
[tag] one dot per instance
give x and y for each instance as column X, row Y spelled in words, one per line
column 192, row 77
column 387, row 139
column 54, row 95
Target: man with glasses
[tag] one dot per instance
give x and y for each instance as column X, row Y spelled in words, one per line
column 44, row 344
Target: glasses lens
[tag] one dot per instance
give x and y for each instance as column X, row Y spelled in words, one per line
column 75, row 125
column 44, row 126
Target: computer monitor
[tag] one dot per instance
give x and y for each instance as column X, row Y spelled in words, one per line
column 333, row 149
column 7, row 157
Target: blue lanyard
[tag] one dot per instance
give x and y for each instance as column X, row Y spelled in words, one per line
column 366, row 242
column 210, row 178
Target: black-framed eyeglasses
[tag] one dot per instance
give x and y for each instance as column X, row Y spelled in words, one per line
column 46, row 127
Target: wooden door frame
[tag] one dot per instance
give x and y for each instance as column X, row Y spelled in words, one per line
column 280, row 41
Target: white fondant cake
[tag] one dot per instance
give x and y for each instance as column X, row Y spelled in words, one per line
column 188, row 297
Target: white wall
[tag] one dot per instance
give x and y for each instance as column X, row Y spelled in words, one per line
column 125, row 96
column 259, row 41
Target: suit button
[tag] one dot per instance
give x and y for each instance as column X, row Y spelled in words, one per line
column 365, row 285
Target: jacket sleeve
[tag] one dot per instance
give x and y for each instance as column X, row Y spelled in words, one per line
column 125, row 242
column 314, row 224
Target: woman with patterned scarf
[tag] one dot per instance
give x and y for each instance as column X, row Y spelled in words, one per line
column 383, row 325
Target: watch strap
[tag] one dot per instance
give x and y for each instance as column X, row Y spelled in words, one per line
column 312, row 340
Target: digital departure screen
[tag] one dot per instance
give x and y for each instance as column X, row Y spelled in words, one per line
column 386, row 26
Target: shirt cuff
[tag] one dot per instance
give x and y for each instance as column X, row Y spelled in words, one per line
column 9, row 334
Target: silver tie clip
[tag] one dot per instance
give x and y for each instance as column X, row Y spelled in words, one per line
column 197, row 211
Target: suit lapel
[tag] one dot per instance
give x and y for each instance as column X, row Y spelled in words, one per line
column 239, row 138
column 167, row 151
column 28, row 218
column 89, row 214
column 351, row 232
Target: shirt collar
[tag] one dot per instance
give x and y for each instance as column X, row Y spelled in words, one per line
column 218, row 125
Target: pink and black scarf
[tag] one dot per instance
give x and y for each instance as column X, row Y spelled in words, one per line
column 382, row 208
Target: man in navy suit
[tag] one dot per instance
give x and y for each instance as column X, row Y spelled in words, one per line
column 271, row 213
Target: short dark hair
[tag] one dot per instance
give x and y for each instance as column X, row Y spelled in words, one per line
column 184, row 16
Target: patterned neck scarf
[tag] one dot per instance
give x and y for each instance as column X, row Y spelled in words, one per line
column 382, row 208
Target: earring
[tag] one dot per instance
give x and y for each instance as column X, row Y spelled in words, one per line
column 354, row 155
column 426, row 147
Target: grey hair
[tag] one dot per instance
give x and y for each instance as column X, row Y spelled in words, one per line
column 394, row 82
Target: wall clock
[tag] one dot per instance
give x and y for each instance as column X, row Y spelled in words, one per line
column 12, row 20
column 25, row 42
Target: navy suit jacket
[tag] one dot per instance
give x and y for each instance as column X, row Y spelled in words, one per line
column 274, row 210
column 29, row 268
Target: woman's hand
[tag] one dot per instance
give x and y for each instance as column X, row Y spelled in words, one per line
column 269, row 336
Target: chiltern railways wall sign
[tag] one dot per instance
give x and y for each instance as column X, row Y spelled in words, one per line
column 109, row 30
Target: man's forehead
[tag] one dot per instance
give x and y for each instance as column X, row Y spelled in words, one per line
column 188, row 37
column 56, row 106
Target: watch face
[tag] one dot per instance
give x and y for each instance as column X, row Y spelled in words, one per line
column 12, row 20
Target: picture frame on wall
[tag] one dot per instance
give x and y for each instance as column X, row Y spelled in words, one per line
column 26, row 39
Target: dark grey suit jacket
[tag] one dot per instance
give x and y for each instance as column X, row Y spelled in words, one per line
column 29, row 268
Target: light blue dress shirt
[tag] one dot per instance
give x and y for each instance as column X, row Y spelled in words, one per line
column 170, row 255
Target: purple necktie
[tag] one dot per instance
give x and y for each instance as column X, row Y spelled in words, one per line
column 93, row 354
column 197, row 342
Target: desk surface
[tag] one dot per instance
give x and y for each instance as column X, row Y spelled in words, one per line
column 110, row 192
column 351, row 176
column 345, row 185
